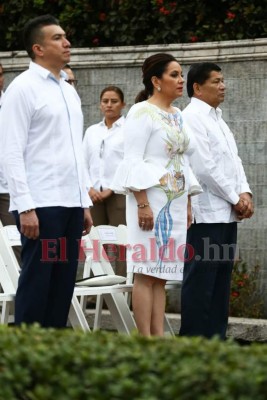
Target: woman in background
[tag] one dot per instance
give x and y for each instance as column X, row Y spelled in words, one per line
column 103, row 151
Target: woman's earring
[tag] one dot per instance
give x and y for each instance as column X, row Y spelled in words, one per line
column 159, row 88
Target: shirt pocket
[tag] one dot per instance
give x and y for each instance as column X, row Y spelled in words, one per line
column 218, row 148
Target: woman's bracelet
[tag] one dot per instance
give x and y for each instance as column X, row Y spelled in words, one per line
column 142, row 205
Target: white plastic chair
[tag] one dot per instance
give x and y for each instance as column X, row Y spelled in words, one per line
column 99, row 263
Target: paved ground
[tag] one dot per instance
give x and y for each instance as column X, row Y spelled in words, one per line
column 241, row 329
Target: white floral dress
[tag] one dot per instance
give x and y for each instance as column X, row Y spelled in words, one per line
column 156, row 159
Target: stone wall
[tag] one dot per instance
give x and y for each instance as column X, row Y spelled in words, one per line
column 244, row 65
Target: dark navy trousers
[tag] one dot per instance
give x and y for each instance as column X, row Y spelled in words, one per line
column 207, row 279
column 49, row 266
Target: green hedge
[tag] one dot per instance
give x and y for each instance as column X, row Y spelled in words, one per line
column 40, row 364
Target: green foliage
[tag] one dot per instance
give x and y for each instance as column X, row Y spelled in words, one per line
column 125, row 22
column 246, row 297
column 38, row 364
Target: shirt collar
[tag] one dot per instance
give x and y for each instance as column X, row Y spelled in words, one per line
column 64, row 75
column 102, row 123
column 205, row 108
column 118, row 123
column 45, row 73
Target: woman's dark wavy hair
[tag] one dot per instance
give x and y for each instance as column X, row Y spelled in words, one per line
column 154, row 65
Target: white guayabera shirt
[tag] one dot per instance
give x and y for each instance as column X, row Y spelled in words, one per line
column 42, row 142
column 215, row 163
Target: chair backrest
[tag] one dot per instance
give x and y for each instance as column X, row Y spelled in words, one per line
column 10, row 236
column 94, row 250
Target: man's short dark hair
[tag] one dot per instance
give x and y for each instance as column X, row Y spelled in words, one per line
column 32, row 32
column 199, row 73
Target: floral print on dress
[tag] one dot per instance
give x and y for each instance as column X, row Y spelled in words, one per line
column 172, row 183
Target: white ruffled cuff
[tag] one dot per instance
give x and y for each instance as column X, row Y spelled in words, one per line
column 136, row 175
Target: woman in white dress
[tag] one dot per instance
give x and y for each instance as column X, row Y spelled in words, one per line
column 155, row 174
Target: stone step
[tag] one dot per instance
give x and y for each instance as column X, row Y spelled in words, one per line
column 241, row 329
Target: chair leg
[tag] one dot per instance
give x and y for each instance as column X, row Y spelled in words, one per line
column 120, row 312
column 83, row 300
column 167, row 327
column 98, row 311
column 86, row 274
column 5, row 312
column 128, row 297
column 76, row 315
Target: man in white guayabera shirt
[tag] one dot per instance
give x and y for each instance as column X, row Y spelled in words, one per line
column 42, row 146
column 226, row 199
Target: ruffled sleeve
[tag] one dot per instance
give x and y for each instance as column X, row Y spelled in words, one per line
column 137, row 170
column 135, row 174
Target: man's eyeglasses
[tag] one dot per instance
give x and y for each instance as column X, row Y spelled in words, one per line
column 72, row 82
